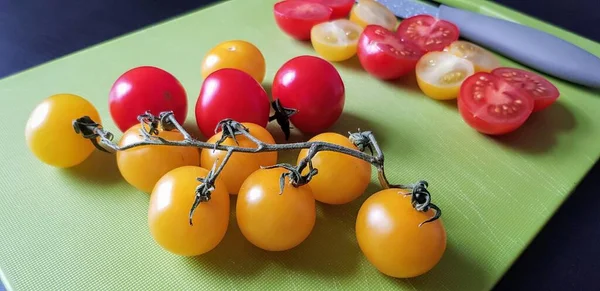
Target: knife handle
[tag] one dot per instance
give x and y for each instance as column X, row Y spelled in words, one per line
column 531, row 47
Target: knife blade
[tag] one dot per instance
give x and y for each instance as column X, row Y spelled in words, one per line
column 531, row 47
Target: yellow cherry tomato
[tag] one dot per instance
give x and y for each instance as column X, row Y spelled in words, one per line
column 367, row 12
column 389, row 235
column 240, row 165
column 143, row 166
column 236, row 54
column 336, row 40
column 49, row 131
column 440, row 74
column 482, row 59
column 168, row 213
column 341, row 178
column 271, row 220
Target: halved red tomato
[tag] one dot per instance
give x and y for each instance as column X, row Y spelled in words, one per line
column 384, row 55
column 297, row 17
column 428, row 32
column 539, row 88
column 341, row 8
column 493, row 106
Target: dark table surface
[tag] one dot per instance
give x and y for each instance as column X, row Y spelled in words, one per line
column 564, row 256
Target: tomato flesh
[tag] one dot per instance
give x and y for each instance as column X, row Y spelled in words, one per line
column 340, row 8
column 440, row 74
column 336, row 40
column 367, row 12
column 384, row 55
column 428, row 32
column 297, row 17
column 539, row 88
column 493, row 106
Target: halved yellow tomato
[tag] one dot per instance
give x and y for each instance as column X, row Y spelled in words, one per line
column 367, row 12
column 440, row 74
column 482, row 59
column 336, row 40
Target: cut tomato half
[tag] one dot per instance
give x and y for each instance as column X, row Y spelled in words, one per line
column 384, row 55
column 367, row 12
column 428, row 32
column 297, row 17
column 336, row 40
column 440, row 74
column 340, row 8
column 482, row 59
column 539, row 88
column 493, row 106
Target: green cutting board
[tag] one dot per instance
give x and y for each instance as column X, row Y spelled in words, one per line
column 85, row 228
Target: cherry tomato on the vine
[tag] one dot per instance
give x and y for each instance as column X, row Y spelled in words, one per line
column 49, row 131
column 539, row 88
column 168, row 213
column 389, row 235
column 312, row 86
column 384, row 55
column 341, row 178
column 297, row 17
column 142, row 89
column 440, row 74
column 231, row 93
column 428, row 32
column 493, row 106
column 336, row 40
column 143, row 166
column 240, row 165
column 236, row 54
column 340, row 8
column 273, row 220
column 367, row 12
column 482, row 59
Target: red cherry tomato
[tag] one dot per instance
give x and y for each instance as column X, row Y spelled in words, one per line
column 539, row 88
column 312, row 86
column 340, row 8
column 231, row 93
column 297, row 17
column 428, row 32
column 491, row 105
column 146, row 88
column 384, row 55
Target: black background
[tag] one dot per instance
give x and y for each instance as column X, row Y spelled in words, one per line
column 564, row 256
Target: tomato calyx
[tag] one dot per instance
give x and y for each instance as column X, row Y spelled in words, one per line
column 230, row 128
column 362, row 140
column 294, row 173
column 204, row 190
column 421, row 200
column 88, row 128
column 282, row 116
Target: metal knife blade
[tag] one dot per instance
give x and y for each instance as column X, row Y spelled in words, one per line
column 409, row 8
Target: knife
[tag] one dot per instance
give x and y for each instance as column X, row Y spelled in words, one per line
column 531, row 47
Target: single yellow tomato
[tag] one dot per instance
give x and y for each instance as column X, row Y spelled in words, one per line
column 367, row 12
column 389, row 234
column 236, row 54
column 341, row 178
column 440, row 74
column 336, row 40
column 482, row 59
column 143, row 166
column 169, row 209
column 240, row 165
column 49, row 132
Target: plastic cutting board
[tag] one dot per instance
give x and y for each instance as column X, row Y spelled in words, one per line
column 85, row 228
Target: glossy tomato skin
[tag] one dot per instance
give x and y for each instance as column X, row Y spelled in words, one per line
column 340, row 8
column 385, row 56
column 428, row 32
column 49, row 130
column 146, row 88
column 389, row 235
column 231, row 93
column 297, row 17
column 169, row 208
column 542, row 91
column 314, row 87
column 492, row 106
column 270, row 219
column 236, row 54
